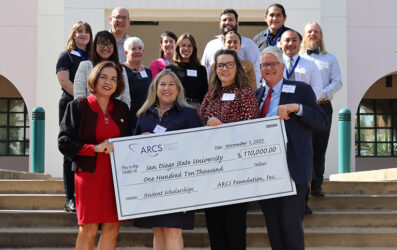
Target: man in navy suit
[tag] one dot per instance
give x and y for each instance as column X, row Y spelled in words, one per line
column 295, row 103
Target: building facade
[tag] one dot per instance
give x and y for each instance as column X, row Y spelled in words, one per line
column 34, row 32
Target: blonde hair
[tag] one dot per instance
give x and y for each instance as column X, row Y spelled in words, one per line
column 152, row 92
column 304, row 44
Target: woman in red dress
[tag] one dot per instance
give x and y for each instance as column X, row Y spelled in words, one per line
column 87, row 125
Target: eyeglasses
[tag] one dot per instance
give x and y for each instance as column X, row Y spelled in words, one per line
column 229, row 65
column 120, row 18
column 106, row 45
column 269, row 65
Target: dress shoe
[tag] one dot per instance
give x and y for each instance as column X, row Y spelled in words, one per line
column 308, row 210
column 70, row 206
column 317, row 193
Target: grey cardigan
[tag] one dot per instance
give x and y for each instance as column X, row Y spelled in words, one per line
column 80, row 83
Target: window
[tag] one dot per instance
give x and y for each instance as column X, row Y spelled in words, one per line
column 14, row 127
column 376, row 128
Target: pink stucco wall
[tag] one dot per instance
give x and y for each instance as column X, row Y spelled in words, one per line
column 371, row 42
column 18, row 43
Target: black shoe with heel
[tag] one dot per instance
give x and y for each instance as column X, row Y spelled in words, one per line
column 70, row 206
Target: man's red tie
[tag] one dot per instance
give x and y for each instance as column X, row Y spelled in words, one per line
column 266, row 104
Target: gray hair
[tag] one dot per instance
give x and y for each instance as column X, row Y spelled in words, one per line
column 152, row 92
column 131, row 41
column 276, row 51
column 119, row 9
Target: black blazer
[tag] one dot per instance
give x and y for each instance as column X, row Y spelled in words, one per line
column 78, row 127
column 299, row 129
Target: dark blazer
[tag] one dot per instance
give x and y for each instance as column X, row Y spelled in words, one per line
column 175, row 118
column 299, row 129
column 78, row 127
column 261, row 38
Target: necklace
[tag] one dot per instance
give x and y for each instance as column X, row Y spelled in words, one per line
column 106, row 118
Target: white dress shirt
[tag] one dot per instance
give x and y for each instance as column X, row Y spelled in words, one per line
column 306, row 71
column 330, row 73
column 248, row 51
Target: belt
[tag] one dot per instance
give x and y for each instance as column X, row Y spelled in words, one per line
column 323, row 101
column 192, row 100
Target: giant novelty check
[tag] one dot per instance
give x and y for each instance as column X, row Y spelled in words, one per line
column 200, row 168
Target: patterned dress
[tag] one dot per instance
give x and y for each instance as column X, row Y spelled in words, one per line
column 244, row 106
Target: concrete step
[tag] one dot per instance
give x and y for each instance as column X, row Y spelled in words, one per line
column 31, row 187
column 32, row 201
column 256, row 237
column 388, row 174
column 10, row 174
column 60, row 219
column 329, row 202
column 359, row 188
column 354, row 202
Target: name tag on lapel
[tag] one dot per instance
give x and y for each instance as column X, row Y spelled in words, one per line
column 322, row 65
column 300, row 70
column 159, row 129
column 192, row 72
column 288, row 89
column 143, row 74
column 228, row 97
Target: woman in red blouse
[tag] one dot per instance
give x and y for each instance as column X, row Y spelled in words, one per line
column 229, row 99
column 87, row 125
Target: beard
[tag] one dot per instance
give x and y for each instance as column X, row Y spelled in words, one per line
column 312, row 44
column 224, row 31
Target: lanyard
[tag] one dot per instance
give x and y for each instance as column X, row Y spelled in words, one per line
column 81, row 54
column 293, row 68
column 275, row 39
column 166, row 60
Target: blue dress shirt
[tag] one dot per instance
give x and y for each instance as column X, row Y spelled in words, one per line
column 275, row 100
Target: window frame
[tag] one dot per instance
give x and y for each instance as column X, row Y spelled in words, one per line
column 25, row 141
column 392, row 103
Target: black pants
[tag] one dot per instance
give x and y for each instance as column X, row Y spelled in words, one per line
column 227, row 227
column 320, row 144
column 68, row 174
column 284, row 218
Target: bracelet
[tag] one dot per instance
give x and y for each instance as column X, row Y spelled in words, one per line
column 95, row 149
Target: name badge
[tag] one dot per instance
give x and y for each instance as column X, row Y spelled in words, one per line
column 75, row 53
column 228, row 97
column 159, row 129
column 288, row 89
column 300, row 70
column 143, row 74
column 322, row 65
column 192, row 72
